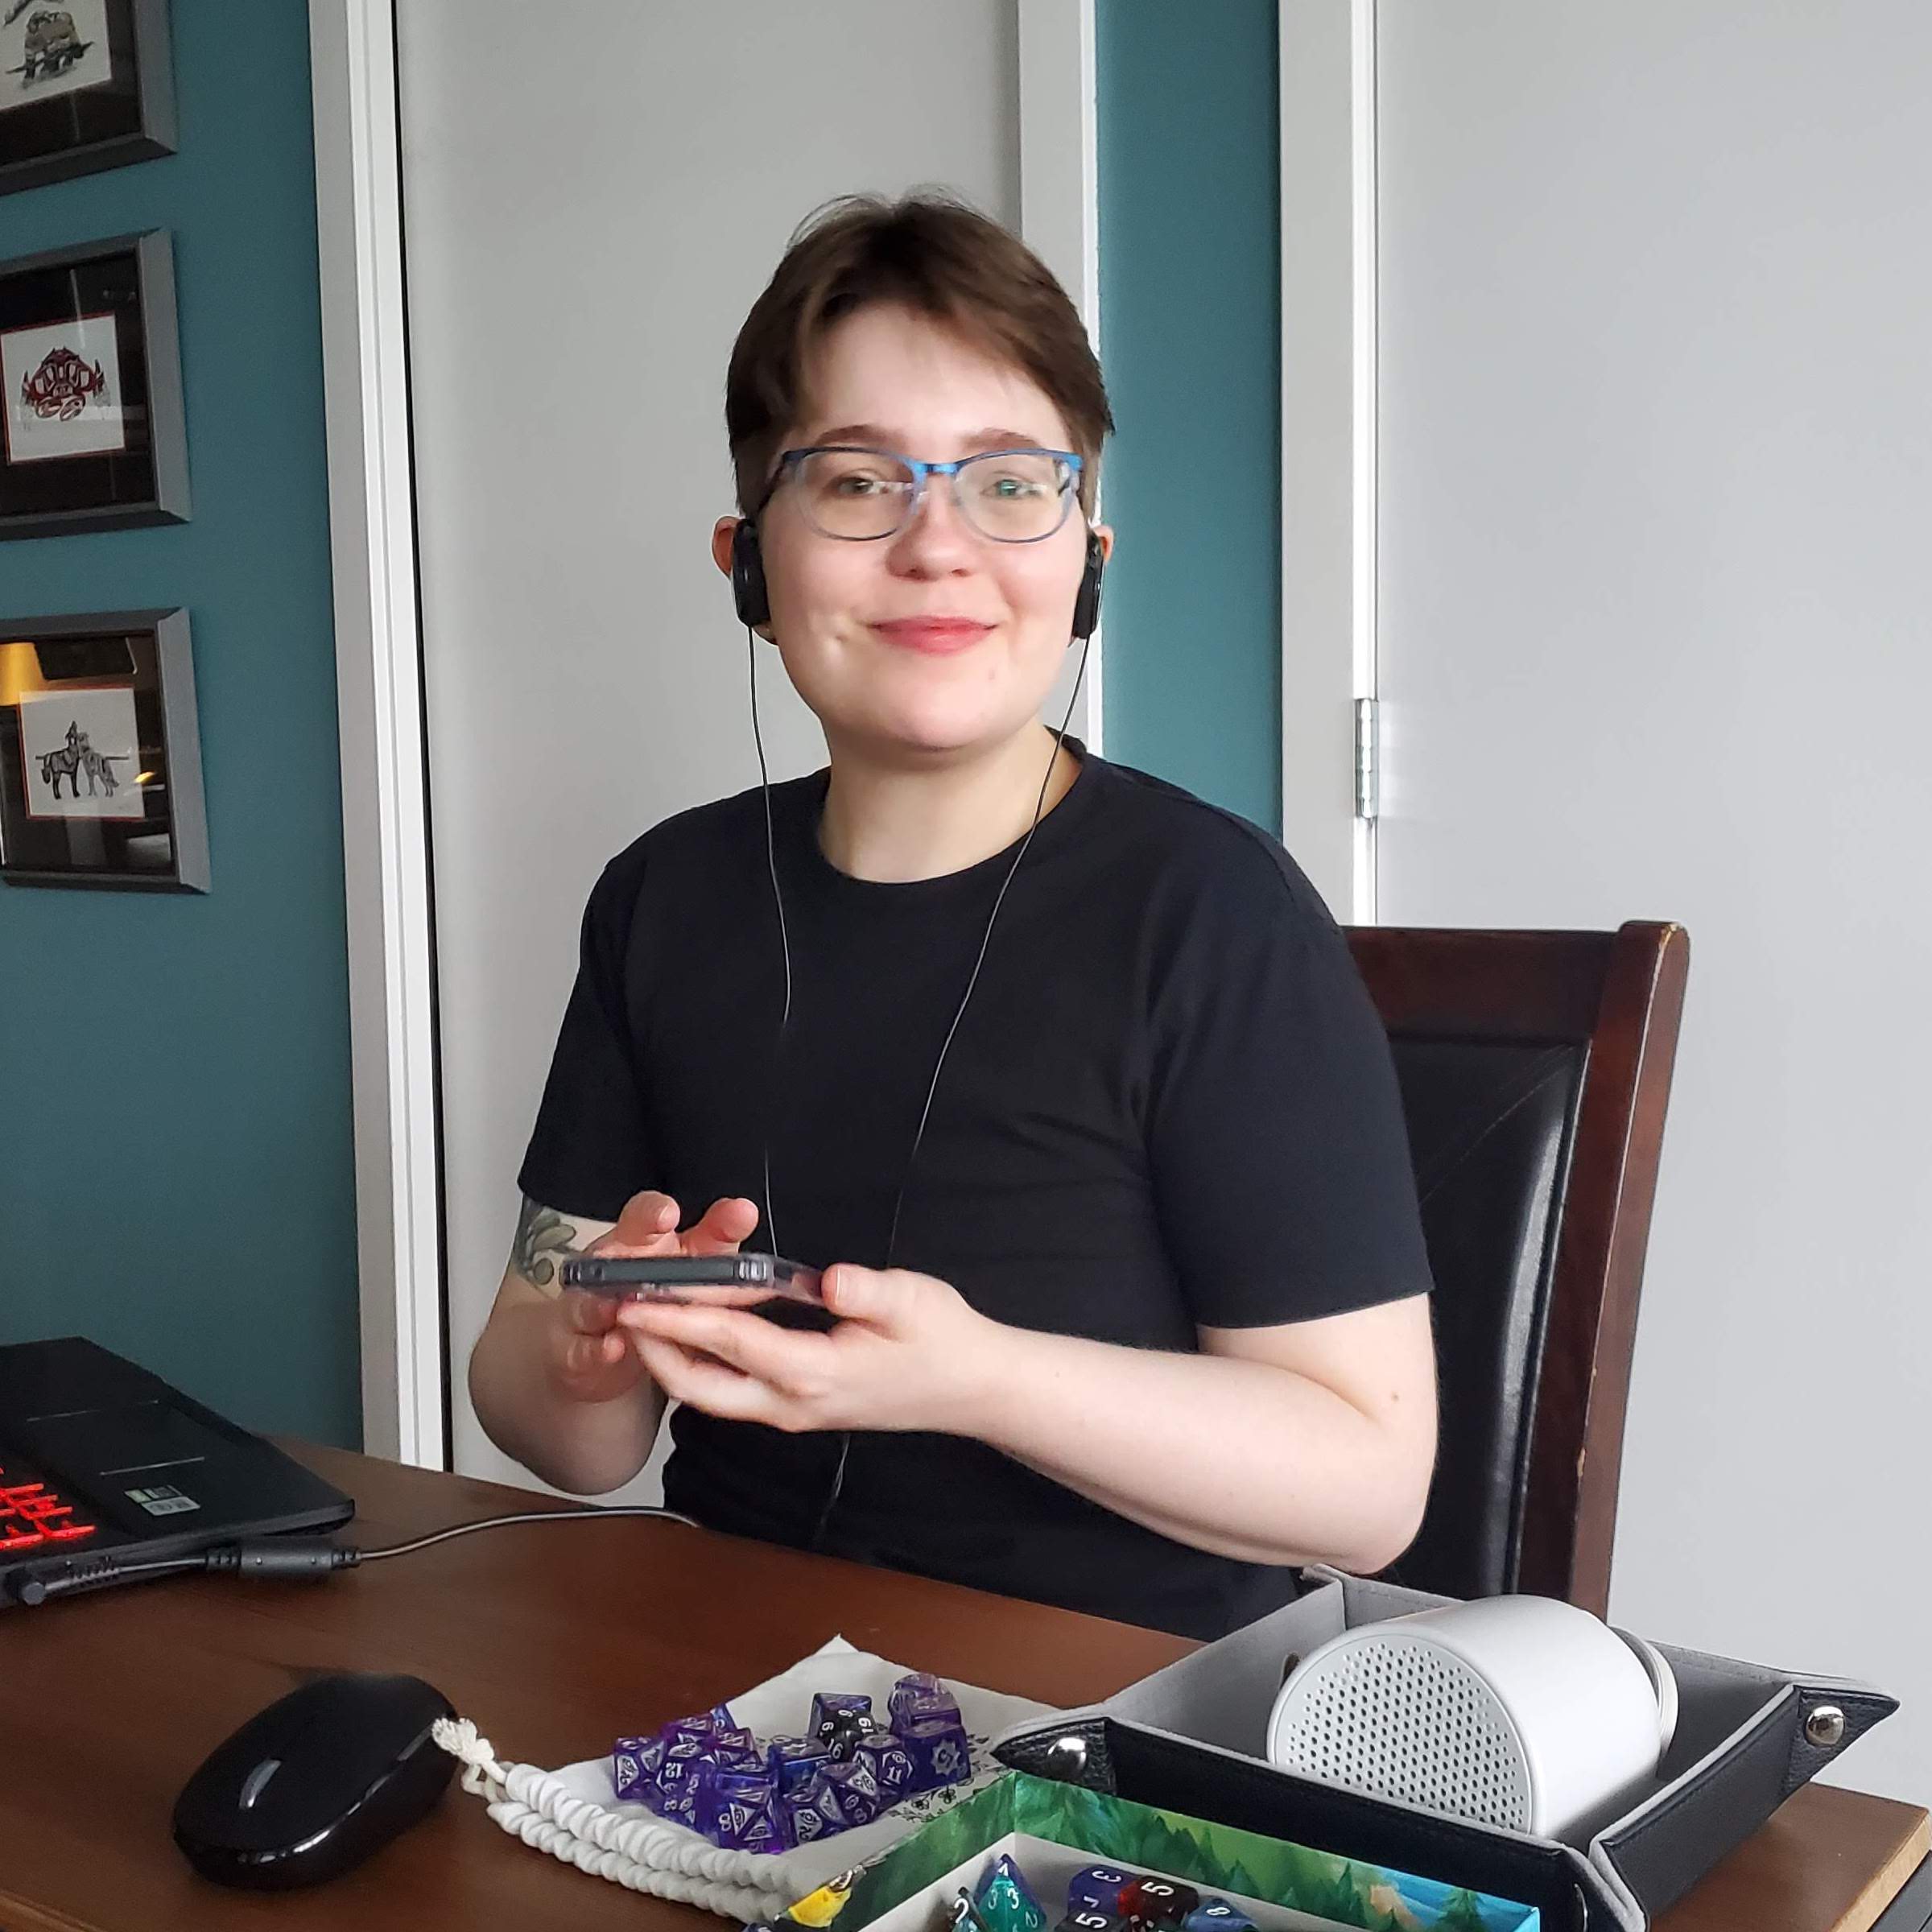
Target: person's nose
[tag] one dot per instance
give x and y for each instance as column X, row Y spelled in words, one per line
column 937, row 540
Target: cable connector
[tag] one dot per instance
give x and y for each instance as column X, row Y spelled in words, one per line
column 282, row 1556
column 304, row 1556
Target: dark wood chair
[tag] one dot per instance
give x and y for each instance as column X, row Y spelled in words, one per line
column 1535, row 1069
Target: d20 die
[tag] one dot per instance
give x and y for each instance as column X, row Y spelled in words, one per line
column 842, row 1721
column 826, row 1704
column 672, row 1791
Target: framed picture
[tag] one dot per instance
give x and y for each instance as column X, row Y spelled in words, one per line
column 100, row 757
column 92, row 435
column 84, row 84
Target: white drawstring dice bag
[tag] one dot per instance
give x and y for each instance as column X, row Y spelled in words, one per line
column 576, row 1815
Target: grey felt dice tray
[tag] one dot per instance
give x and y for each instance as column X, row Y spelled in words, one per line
column 1190, row 1738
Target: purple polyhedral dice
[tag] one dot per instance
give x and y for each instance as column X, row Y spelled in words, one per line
column 1098, row 1889
column 688, row 1736
column 811, row 1812
column 840, row 1720
column 856, row 1790
column 940, row 1754
column 1216, row 1915
column 738, row 1810
column 672, row 1792
column 633, row 1766
column 735, row 1748
column 891, row 1766
column 919, row 1698
column 793, row 1761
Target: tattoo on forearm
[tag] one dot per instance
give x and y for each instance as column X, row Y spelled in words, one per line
column 543, row 1238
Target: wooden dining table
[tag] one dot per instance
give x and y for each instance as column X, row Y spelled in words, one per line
column 556, row 1637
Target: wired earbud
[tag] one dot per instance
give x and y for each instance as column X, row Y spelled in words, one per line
column 1087, row 603
column 748, row 579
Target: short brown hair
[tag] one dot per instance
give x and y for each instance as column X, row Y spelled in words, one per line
column 939, row 258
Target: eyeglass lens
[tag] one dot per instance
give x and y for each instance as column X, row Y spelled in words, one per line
column 1012, row 497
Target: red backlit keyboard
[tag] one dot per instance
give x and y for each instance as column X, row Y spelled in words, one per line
column 33, row 1517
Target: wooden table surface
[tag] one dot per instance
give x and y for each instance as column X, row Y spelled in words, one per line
column 554, row 1640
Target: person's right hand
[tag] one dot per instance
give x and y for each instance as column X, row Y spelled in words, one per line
column 593, row 1357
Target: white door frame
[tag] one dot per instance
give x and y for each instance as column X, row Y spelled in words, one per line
column 1328, row 438
column 379, row 658
column 378, row 672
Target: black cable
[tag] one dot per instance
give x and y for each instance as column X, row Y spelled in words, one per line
column 596, row 1512
column 771, row 859
column 892, row 1239
column 295, row 1556
column 1039, row 808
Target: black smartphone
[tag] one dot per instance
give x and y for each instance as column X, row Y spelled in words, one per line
column 745, row 1279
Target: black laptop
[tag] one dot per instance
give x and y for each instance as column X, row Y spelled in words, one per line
column 99, row 1458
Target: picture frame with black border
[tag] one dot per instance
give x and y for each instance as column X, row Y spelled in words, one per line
column 92, row 429
column 100, row 752
column 84, row 85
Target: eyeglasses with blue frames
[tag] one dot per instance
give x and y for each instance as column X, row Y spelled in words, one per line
column 859, row 495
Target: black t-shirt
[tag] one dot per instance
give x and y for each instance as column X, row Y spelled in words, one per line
column 1170, row 1105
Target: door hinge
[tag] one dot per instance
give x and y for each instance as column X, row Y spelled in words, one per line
column 1367, row 758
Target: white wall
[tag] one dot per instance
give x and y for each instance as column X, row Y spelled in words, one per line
column 594, row 194
column 1656, row 484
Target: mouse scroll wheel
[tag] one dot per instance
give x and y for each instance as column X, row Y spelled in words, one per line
column 257, row 1780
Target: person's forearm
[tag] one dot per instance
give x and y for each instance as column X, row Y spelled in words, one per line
column 1248, row 1460
column 587, row 1448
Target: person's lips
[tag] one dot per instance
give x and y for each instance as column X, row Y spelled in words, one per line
column 938, row 636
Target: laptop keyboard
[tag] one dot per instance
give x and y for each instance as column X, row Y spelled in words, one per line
column 34, row 1515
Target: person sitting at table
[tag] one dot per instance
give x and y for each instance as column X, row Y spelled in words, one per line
column 1064, row 1077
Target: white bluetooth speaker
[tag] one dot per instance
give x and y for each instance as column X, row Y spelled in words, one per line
column 1518, row 1711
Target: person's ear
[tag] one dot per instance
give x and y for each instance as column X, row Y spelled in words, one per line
column 1104, row 532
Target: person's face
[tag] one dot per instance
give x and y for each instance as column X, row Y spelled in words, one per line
column 853, row 619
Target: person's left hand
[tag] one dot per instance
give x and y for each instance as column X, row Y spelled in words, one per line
column 908, row 1352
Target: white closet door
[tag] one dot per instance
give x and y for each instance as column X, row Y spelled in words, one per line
column 1654, row 487
column 594, row 193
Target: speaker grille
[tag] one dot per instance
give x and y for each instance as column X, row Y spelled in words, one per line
column 1404, row 1719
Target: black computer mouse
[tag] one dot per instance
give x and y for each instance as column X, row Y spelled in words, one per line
column 315, row 1783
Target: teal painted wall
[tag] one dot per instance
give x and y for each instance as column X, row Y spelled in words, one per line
column 175, row 1070
column 175, row 1175
column 1190, row 336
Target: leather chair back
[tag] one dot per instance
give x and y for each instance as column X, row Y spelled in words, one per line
column 1535, row 1070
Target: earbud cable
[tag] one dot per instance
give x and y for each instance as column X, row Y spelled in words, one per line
column 838, row 1475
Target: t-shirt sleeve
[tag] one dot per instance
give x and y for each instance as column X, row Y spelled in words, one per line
column 591, row 1150
column 1279, row 1154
